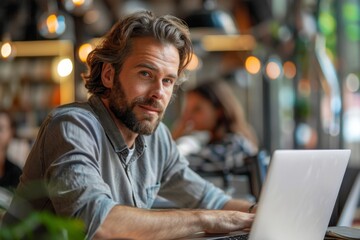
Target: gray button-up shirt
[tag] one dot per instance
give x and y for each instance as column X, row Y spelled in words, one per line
column 79, row 168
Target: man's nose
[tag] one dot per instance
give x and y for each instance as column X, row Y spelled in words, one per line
column 158, row 90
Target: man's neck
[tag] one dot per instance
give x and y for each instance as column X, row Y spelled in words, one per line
column 128, row 135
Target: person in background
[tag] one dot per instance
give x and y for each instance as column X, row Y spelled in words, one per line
column 9, row 171
column 213, row 108
column 105, row 160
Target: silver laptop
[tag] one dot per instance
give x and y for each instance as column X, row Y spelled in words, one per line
column 298, row 195
column 347, row 215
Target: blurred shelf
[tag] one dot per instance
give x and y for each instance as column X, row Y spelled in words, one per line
column 30, row 85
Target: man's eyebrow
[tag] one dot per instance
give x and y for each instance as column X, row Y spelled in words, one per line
column 147, row 65
column 154, row 68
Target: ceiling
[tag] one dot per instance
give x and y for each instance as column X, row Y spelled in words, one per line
column 20, row 18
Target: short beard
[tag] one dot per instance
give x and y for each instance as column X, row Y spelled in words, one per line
column 123, row 110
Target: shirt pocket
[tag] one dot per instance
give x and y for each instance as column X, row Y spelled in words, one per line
column 151, row 194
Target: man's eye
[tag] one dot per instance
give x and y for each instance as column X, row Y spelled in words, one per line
column 145, row 74
column 168, row 81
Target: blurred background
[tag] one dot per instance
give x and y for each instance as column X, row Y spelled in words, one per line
column 294, row 64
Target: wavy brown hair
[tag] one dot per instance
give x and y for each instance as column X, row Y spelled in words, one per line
column 116, row 45
column 222, row 97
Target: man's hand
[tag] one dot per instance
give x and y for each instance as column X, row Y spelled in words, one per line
column 228, row 221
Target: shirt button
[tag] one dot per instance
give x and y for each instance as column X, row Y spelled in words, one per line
column 124, row 153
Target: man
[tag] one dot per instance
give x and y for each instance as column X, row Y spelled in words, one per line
column 105, row 161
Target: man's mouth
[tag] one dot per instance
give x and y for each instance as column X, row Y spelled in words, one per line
column 150, row 109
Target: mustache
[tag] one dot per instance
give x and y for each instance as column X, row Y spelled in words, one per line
column 148, row 102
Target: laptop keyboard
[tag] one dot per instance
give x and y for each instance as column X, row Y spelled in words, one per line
column 236, row 237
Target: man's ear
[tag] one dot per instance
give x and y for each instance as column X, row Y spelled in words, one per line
column 107, row 75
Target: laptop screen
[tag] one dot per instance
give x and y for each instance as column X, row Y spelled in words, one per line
column 299, row 194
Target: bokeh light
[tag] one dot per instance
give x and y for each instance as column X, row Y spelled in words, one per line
column 289, row 69
column 306, row 136
column 7, row 50
column 352, row 82
column 327, row 23
column 64, row 67
column 252, row 65
column 352, row 31
column 273, row 69
column 84, row 51
column 351, row 11
column 51, row 25
column 194, row 64
column 77, row 7
column 304, row 87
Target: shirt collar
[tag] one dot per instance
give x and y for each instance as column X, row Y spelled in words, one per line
column 111, row 130
column 107, row 123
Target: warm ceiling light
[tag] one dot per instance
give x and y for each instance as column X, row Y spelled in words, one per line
column 84, row 51
column 51, row 25
column 273, row 70
column 77, row 7
column 64, row 67
column 78, row 2
column 252, row 65
column 7, row 50
column 194, row 63
column 289, row 69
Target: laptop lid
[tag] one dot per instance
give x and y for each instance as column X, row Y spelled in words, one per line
column 299, row 194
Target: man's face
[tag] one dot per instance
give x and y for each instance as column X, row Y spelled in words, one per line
column 143, row 89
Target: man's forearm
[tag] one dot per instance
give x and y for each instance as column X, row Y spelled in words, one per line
column 237, row 205
column 134, row 223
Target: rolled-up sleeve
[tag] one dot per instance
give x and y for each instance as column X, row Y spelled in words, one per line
column 182, row 185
